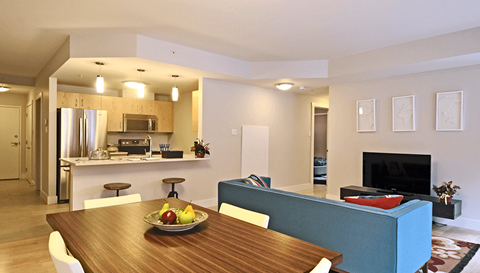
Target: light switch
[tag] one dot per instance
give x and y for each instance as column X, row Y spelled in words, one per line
column 234, row 132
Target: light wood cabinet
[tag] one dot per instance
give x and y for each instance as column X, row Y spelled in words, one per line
column 87, row 101
column 130, row 106
column 164, row 113
column 80, row 101
column 114, row 107
column 67, row 100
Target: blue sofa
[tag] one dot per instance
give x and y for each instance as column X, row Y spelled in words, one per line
column 372, row 240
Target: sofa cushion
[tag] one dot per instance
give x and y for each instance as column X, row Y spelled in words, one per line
column 255, row 180
column 382, row 201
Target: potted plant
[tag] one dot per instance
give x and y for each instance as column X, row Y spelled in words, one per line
column 200, row 148
column 446, row 191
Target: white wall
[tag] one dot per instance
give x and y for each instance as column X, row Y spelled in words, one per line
column 228, row 106
column 454, row 154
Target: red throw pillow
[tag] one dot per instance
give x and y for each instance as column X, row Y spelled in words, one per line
column 382, row 201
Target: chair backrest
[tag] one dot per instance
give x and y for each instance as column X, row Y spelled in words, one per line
column 111, row 201
column 58, row 252
column 252, row 217
column 323, row 266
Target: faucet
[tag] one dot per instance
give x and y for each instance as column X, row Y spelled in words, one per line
column 149, row 138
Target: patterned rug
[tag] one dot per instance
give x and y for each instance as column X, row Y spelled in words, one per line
column 450, row 255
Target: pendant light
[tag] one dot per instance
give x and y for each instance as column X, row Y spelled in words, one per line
column 141, row 85
column 100, row 80
column 175, row 89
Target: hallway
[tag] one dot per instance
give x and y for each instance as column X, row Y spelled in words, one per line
column 23, row 212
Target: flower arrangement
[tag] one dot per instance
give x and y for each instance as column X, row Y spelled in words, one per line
column 446, row 191
column 200, row 148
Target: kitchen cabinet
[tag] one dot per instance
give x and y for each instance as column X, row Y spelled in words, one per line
column 139, row 106
column 131, row 106
column 80, row 101
column 87, row 101
column 164, row 113
column 67, row 100
column 114, row 107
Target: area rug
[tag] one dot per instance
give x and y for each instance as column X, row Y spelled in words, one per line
column 450, row 256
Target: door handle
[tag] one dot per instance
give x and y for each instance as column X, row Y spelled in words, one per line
column 15, row 143
column 28, row 148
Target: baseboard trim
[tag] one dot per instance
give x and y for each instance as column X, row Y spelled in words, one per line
column 295, row 188
column 333, row 197
column 207, row 203
column 460, row 222
column 48, row 199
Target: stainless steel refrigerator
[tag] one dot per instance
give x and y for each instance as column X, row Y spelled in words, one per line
column 79, row 131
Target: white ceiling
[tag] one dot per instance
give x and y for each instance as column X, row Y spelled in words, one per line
column 282, row 30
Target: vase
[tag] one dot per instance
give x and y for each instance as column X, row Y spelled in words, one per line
column 199, row 155
column 448, row 201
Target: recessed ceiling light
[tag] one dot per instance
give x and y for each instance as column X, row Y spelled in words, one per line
column 4, row 89
column 284, row 86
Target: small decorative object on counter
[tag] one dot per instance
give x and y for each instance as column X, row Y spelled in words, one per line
column 200, row 148
column 446, row 191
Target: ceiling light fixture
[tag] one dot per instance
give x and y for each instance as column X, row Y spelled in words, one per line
column 175, row 89
column 4, row 89
column 131, row 84
column 141, row 85
column 284, row 86
column 100, row 80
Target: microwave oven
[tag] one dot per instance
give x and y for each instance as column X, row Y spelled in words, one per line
column 139, row 123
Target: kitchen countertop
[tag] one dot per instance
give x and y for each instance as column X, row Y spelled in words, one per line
column 131, row 159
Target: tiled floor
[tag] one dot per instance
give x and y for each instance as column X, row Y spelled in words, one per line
column 22, row 221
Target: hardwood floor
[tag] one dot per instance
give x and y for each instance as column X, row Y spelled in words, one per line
column 24, row 236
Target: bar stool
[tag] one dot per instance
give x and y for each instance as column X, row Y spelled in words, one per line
column 117, row 186
column 173, row 181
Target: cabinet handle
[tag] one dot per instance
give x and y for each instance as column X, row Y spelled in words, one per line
column 82, row 102
column 76, row 102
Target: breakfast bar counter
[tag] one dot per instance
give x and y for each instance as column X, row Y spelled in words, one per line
column 87, row 177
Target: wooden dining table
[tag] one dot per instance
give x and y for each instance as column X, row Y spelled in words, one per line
column 116, row 239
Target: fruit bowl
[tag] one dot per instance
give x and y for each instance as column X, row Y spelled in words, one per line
column 154, row 219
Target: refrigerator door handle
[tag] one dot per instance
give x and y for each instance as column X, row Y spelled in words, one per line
column 85, row 144
column 81, row 131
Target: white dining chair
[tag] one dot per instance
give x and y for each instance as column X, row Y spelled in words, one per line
column 58, row 251
column 252, row 217
column 111, row 201
column 323, row 266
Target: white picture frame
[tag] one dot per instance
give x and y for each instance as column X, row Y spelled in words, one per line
column 449, row 111
column 366, row 115
column 403, row 114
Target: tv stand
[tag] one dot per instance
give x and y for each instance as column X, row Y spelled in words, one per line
column 449, row 211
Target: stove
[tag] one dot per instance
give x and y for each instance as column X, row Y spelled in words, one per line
column 134, row 146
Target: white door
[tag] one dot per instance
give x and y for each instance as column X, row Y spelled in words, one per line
column 10, row 142
column 28, row 141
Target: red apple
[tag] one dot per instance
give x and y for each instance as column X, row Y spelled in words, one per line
column 169, row 217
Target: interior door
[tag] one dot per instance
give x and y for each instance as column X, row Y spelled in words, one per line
column 28, row 141
column 10, row 142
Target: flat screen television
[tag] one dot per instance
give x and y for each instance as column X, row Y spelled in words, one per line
column 397, row 173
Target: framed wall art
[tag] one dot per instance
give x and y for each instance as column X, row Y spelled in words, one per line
column 366, row 116
column 449, row 115
column 403, row 114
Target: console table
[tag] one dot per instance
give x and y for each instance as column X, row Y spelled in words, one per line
column 450, row 211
